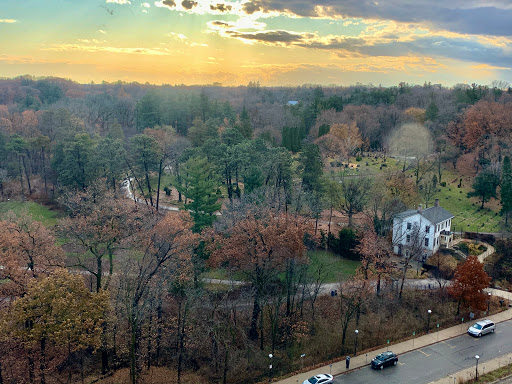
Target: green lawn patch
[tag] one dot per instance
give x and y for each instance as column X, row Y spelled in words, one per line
column 38, row 212
column 468, row 215
column 335, row 266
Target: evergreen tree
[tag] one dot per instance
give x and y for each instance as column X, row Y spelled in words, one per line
column 506, row 188
column 485, row 185
column 148, row 111
column 76, row 162
column 245, row 125
column 311, row 166
column 200, row 187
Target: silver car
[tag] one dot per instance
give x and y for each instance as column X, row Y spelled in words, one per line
column 482, row 328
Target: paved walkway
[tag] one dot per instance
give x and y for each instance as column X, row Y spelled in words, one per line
column 357, row 362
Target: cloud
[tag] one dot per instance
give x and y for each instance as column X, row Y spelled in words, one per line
column 8, row 21
column 279, row 37
column 436, row 46
column 96, row 48
column 220, row 24
column 169, row 3
column 102, row 31
column 221, row 7
column 462, row 16
column 189, row 4
column 119, row 1
column 145, row 5
column 177, row 35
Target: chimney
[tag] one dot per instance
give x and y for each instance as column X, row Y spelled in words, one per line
column 436, row 204
column 420, row 208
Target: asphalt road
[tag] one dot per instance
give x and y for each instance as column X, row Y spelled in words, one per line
column 438, row 360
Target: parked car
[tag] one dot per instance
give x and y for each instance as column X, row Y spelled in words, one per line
column 384, row 359
column 322, row 378
column 482, row 328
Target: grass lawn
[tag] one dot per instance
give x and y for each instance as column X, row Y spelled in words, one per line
column 336, row 266
column 468, row 215
column 38, row 212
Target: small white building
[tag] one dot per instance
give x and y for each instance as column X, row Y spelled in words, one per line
column 430, row 227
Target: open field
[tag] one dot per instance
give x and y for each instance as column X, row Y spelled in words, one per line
column 38, row 212
column 468, row 215
column 334, row 267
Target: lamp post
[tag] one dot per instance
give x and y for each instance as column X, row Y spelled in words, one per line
column 270, row 368
column 302, row 361
column 489, row 303
column 355, row 345
column 428, row 320
column 476, row 374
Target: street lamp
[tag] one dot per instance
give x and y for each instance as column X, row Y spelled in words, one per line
column 270, row 368
column 428, row 320
column 489, row 303
column 476, row 374
column 302, row 361
column 355, row 345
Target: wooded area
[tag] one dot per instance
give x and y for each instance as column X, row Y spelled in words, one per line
column 157, row 185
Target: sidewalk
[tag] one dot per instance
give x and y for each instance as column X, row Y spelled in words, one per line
column 362, row 360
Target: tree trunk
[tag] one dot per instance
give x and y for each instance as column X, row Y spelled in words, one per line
column 42, row 365
column 181, row 346
column 158, row 327
column 44, row 171
column 31, row 375
column 224, row 373
column 149, row 346
column 253, row 331
column 21, row 174
column 158, row 186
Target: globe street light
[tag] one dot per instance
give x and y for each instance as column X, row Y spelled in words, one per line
column 355, row 345
column 476, row 374
column 489, row 303
column 270, row 368
column 428, row 320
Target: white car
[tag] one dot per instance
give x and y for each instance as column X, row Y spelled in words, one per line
column 322, row 378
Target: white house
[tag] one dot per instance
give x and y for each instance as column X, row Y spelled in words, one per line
column 430, row 227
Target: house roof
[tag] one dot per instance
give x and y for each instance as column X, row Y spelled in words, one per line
column 434, row 214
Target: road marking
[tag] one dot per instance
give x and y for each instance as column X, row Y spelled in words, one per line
column 426, row 354
column 401, row 363
column 451, row 346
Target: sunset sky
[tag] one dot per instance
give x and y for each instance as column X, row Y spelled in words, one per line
column 275, row 42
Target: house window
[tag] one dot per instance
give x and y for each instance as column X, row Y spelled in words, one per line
column 426, row 241
column 409, row 225
column 427, row 229
column 408, row 238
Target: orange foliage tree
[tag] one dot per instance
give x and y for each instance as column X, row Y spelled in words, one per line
column 468, row 284
column 162, row 249
column 342, row 140
column 260, row 248
column 56, row 311
column 27, row 250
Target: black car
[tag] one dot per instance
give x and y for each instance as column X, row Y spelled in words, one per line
column 384, row 359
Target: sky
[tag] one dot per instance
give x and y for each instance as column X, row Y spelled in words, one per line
column 273, row 42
